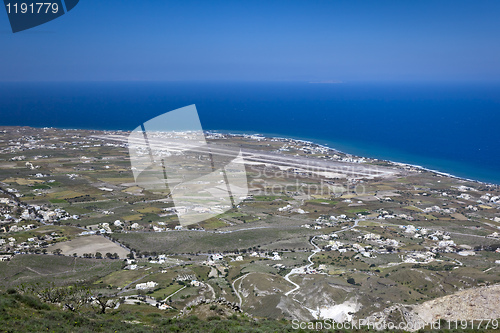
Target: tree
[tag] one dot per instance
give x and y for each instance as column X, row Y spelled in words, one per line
column 77, row 297
column 52, row 294
column 103, row 302
column 98, row 255
column 57, row 252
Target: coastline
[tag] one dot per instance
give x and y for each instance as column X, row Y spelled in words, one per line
column 299, row 140
column 395, row 163
column 446, row 127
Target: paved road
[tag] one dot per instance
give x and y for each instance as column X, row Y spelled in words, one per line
column 356, row 170
column 131, row 283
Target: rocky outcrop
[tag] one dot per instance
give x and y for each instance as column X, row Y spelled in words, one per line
column 475, row 303
column 471, row 304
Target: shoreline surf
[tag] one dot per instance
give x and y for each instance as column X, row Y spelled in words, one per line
column 311, row 141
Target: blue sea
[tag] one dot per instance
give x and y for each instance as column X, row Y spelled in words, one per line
column 449, row 127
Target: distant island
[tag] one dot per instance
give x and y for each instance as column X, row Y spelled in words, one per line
column 327, row 82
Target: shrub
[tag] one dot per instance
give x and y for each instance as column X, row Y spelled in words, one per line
column 11, row 291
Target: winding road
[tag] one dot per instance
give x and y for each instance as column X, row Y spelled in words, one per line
column 303, row 269
column 236, row 291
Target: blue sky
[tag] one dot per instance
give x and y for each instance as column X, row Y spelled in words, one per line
column 258, row 40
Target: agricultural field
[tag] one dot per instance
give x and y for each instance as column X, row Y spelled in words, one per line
column 91, row 245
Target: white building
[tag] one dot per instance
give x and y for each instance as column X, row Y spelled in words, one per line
column 146, row 285
column 216, row 257
column 164, row 306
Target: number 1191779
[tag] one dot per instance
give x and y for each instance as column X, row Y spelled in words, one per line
column 32, row 8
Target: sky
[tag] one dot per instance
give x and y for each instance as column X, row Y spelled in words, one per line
column 272, row 40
